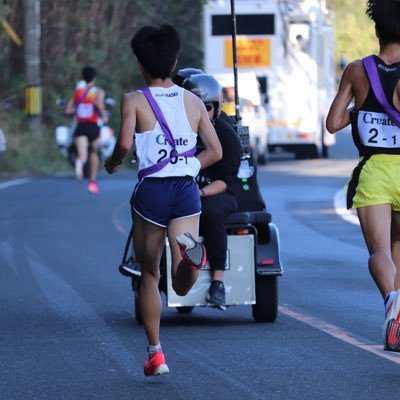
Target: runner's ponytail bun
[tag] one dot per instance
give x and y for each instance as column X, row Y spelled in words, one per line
column 165, row 36
column 157, row 49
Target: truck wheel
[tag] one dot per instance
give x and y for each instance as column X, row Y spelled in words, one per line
column 325, row 151
column 300, row 155
column 266, row 307
column 185, row 309
column 262, row 159
column 315, row 152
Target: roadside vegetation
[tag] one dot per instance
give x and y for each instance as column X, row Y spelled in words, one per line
column 79, row 32
column 355, row 34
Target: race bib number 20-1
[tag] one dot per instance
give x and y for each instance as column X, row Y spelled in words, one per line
column 377, row 130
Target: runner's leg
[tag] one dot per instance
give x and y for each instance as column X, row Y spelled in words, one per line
column 183, row 277
column 94, row 159
column 81, row 147
column 149, row 242
column 375, row 223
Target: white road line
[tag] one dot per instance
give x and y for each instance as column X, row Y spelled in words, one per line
column 339, row 203
column 340, row 334
column 117, row 221
column 15, row 182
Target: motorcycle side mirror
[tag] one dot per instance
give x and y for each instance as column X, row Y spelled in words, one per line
column 109, row 101
column 343, row 63
column 61, row 102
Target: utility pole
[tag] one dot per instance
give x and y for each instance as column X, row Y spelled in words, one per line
column 241, row 131
column 33, row 89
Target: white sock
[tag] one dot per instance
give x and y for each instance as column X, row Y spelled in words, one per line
column 154, row 349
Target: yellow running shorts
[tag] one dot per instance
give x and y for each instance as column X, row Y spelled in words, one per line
column 375, row 180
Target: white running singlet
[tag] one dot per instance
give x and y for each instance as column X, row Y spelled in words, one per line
column 152, row 147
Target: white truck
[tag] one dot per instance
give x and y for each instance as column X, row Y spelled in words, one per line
column 289, row 45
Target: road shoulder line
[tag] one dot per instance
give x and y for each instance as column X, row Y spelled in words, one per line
column 340, row 334
column 14, row 182
column 339, row 202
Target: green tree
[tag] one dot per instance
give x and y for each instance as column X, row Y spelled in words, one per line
column 355, row 34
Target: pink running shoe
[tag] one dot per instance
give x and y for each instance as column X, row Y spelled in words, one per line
column 192, row 251
column 93, row 188
column 156, row 364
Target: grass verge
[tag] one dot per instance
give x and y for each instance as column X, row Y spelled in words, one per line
column 28, row 152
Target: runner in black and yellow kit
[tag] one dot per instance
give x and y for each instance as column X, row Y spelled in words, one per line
column 217, row 184
column 374, row 188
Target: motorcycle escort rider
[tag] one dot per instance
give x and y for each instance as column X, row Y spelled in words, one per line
column 216, row 184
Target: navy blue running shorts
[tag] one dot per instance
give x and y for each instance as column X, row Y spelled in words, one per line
column 161, row 200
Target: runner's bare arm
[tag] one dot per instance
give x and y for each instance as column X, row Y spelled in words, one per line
column 339, row 113
column 70, row 107
column 126, row 133
column 99, row 103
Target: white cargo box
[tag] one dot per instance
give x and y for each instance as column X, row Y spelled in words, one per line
column 239, row 276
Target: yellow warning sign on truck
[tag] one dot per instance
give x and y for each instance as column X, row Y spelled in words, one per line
column 251, row 53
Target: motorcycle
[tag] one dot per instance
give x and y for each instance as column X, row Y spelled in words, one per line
column 253, row 263
column 65, row 141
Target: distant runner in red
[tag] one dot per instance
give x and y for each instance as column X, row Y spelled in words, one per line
column 374, row 187
column 88, row 107
column 164, row 120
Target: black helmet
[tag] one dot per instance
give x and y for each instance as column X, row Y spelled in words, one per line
column 207, row 88
column 185, row 73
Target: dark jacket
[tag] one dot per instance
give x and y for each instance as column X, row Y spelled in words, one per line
column 227, row 168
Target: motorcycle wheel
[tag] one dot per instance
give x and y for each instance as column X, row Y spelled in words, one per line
column 266, row 307
column 185, row 309
column 135, row 287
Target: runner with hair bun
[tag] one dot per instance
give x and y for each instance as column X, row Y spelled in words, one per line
column 164, row 120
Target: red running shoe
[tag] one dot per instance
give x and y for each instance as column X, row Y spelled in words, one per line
column 192, row 251
column 93, row 188
column 391, row 328
column 156, row 365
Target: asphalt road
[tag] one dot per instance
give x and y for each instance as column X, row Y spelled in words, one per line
column 67, row 326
